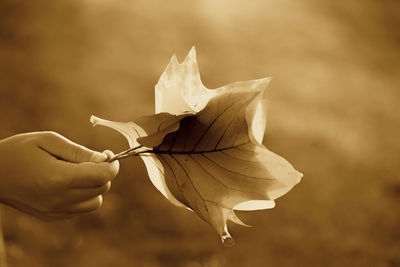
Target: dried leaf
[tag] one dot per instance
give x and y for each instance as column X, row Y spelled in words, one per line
column 211, row 160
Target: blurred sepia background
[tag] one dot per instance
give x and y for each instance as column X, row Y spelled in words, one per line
column 334, row 115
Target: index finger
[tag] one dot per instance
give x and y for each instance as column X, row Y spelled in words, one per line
column 66, row 149
column 90, row 174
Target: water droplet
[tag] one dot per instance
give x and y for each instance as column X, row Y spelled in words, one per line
column 228, row 241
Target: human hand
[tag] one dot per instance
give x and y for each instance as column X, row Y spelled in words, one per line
column 48, row 176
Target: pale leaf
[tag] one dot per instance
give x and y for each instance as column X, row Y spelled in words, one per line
column 212, row 164
column 211, row 160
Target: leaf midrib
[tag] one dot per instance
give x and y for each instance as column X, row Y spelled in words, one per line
column 195, row 152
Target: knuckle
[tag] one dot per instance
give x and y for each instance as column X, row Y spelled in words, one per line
column 76, row 153
column 49, row 134
column 44, row 136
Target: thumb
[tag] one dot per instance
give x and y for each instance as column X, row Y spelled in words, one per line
column 97, row 156
column 65, row 149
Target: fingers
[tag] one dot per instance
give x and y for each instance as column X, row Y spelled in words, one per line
column 81, row 194
column 87, row 206
column 65, row 149
column 83, row 200
column 74, row 210
column 84, row 168
column 70, row 211
column 89, row 174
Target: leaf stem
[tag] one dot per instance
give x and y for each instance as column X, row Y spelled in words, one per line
column 125, row 153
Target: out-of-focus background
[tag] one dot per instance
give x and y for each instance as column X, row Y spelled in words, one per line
column 334, row 115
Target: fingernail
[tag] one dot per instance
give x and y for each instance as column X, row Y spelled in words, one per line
column 98, row 157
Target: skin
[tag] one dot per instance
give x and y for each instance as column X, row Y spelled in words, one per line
column 50, row 177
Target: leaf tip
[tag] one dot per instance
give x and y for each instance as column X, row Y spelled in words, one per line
column 299, row 176
column 264, row 83
column 192, row 50
column 191, row 56
column 226, row 238
column 94, row 120
column 228, row 241
column 174, row 59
